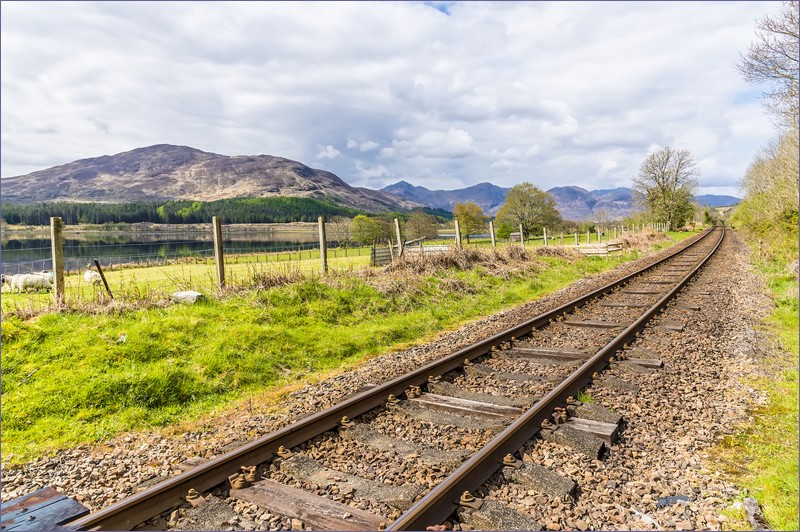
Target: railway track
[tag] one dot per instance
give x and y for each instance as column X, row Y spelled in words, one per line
column 497, row 396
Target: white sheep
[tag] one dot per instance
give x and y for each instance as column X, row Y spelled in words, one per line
column 92, row 277
column 50, row 276
column 25, row 281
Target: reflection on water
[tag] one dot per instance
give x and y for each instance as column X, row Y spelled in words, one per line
column 25, row 253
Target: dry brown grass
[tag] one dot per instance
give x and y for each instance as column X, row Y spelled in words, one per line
column 640, row 240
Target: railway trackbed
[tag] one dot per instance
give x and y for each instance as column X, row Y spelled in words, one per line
column 497, row 398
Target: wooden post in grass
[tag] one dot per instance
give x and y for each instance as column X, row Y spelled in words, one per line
column 458, row 235
column 400, row 242
column 545, row 236
column 218, row 257
column 576, row 239
column 57, row 246
column 491, row 233
column 521, row 237
column 588, row 236
column 323, row 246
column 615, row 232
column 103, row 277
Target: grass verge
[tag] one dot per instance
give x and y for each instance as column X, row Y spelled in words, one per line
column 763, row 458
column 76, row 377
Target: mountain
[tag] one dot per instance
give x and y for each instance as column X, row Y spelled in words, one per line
column 165, row 172
column 574, row 203
column 489, row 197
column 714, row 200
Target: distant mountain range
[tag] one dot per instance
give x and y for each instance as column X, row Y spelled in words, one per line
column 165, row 172
column 574, row 203
column 487, row 196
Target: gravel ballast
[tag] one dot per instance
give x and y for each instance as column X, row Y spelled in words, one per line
column 678, row 412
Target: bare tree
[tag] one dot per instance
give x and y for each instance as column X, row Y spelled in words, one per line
column 421, row 225
column 772, row 58
column 665, row 186
column 339, row 229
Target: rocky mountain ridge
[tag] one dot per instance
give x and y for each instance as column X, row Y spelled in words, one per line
column 165, row 172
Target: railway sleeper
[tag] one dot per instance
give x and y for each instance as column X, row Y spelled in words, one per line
column 366, row 435
column 451, row 390
column 418, row 411
column 472, row 408
column 309, row 471
column 494, row 515
column 533, row 476
column 576, row 439
column 314, row 511
column 482, row 370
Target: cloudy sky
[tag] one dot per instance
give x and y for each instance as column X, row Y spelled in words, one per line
column 442, row 95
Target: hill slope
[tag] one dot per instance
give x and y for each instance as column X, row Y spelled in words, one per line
column 489, row 197
column 574, row 203
column 167, row 172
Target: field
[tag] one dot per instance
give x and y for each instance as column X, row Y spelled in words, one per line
column 99, row 368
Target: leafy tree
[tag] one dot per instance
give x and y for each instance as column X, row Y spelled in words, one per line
column 504, row 230
column 470, row 218
column 665, row 186
column 772, row 58
column 421, row 225
column 530, row 207
column 366, row 230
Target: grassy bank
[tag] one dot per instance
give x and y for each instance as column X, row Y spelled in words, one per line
column 763, row 458
column 76, row 377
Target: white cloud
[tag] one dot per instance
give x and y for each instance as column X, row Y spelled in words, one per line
column 458, row 93
column 329, row 152
column 369, row 146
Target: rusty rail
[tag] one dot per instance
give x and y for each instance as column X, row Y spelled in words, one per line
column 442, row 501
column 126, row 514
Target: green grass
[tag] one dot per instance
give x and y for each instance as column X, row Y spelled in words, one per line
column 71, row 378
column 767, row 449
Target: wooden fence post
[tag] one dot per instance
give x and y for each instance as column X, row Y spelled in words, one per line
column 400, row 242
column 576, row 239
column 545, row 236
column 218, row 257
column 103, row 278
column 323, row 246
column 57, row 247
column 491, row 233
column 521, row 237
column 458, row 235
column 588, row 236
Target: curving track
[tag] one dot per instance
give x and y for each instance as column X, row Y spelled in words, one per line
column 587, row 332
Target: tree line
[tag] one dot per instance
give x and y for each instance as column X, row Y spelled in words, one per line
column 769, row 211
column 239, row 210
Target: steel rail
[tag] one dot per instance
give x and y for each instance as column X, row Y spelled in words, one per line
column 133, row 510
column 441, row 502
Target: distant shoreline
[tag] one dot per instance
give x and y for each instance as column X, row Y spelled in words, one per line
column 146, row 227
